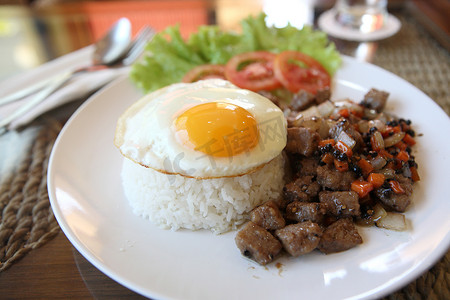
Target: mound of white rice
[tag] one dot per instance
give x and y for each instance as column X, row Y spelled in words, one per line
column 219, row 204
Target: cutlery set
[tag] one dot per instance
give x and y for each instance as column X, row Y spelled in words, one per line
column 115, row 50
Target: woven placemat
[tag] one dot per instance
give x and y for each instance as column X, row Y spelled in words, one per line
column 27, row 221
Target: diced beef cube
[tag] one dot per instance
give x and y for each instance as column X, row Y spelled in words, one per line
column 405, row 183
column 301, row 189
column 305, row 166
column 304, row 211
column 257, row 243
column 375, row 99
column 339, row 236
column 396, row 202
column 302, row 140
column 330, row 178
column 341, row 203
column 293, row 118
column 302, row 100
column 323, row 95
column 300, row 238
column 292, row 192
column 268, row 216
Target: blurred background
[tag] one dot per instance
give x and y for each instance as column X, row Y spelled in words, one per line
column 35, row 31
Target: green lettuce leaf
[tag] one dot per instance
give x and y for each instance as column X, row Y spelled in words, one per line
column 168, row 56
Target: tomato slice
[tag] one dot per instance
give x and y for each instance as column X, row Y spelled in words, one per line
column 297, row 71
column 204, row 72
column 252, row 71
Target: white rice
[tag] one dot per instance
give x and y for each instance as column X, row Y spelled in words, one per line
column 219, row 204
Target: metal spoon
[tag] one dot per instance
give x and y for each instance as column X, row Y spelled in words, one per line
column 114, row 45
column 108, row 50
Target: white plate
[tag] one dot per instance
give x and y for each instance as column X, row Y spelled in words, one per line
column 327, row 23
column 87, row 199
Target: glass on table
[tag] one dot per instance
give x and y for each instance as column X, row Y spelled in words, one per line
column 364, row 15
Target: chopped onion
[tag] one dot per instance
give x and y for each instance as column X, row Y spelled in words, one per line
column 378, row 141
column 394, row 139
column 312, row 123
column 356, row 108
column 378, row 212
column 294, row 119
column 349, row 104
column 385, row 117
column 326, row 108
column 346, row 139
column 287, row 112
column 382, row 117
column 378, row 162
column 388, row 173
column 343, row 103
column 393, row 221
column 370, row 113
column 378, row 124
column 316, row 124
column 324, row 129
column 313, row 111
column 363, row 126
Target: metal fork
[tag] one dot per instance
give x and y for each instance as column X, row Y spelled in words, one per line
column 136, row 49
column 144, row 34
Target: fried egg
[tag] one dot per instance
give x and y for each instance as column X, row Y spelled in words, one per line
column 205, row 129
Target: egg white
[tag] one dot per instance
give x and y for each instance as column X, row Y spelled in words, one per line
column 145, row 132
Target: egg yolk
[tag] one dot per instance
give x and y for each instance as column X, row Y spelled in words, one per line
column 218, row 129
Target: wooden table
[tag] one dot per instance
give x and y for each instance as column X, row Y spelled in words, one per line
column 64, row 274
column 55, row 269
